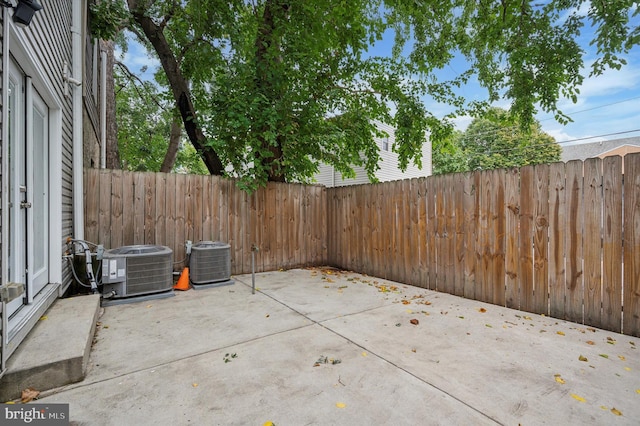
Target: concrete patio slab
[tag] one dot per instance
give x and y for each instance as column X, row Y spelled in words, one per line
column 465, row 362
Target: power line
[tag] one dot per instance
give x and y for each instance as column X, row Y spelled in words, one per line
column 594, row 108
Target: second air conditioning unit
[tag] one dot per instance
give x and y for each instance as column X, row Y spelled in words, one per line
column 210, row 264
column 138, row 271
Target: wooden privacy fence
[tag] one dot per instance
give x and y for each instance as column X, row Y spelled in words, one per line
column 286, row 222
column 560, row 239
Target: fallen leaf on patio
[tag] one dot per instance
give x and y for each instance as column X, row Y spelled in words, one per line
column 560, row 333
column 578, row 398
column 621, row 358
column 148, row 306
column 616, row 412
column 28, row 395
column 364, row 354
column 593, row 330
column 414, row 321
column 604, row 407
column 488, row 325
column 461, row 317
column 326, row 286
column 195, row 385
column 559, row 379
column 44, row 317
column 10, row 402
column 528, row 318
column 329, row 280
column 482, row 310
column 105, row 326
column 340, row 404
column 269, row 423
column 393, row 288
column 582, row 358
column 589, row 342
column 406, row 302
column 413, row 350
column 409, row 311
column 604, row 356
column 611, row 341
column 637, row 390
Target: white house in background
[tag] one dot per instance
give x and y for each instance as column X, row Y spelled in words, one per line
column 389, row 165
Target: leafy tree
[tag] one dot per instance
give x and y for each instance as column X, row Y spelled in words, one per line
column 146, row 129
column 494, row 141
column 272, row 87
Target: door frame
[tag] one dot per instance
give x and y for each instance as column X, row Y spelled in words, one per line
column 17, row 45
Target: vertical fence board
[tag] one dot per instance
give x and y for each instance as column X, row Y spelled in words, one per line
column 470, row 219
column 631, row 226
column 116, row 208
column 527, row 206
column 441, row 223
column 215, row 202
column 189, row 200
column 557, row 239
column 170, row 216
column 197, row 190
column 431, row 233
column 512, row 243
column 128, row 208
column 149, row 208
column 422, row 244
column 179, row 253
column 484, row 286
column 405, row 223
column 593, row 242
column 574, row 289
column 498, row 226
column 104, row 216
column 269, row 229
column 207, row 209
column 449, row 234
column 541, row 241
column 459, row 229
column 92, row 204
column 612, row 244
column 160, row 228
column 138, row 206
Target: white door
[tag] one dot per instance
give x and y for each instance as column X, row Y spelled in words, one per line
column 28, row 177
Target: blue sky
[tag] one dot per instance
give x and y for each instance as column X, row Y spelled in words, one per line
column 608, row 106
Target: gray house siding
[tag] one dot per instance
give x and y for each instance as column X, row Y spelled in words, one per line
column 40, row 52
column 595, row 149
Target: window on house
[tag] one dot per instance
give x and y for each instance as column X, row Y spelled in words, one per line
column 385, row 144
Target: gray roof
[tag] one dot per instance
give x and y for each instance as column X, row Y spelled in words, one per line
column 594, row 149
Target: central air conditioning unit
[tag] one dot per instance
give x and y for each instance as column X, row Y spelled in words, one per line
column 210, row 264
column 132, row 273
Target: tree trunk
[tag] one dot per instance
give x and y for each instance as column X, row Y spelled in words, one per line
column 179, row 86
column 174, row 144
column 265, row 40
column 112, row 160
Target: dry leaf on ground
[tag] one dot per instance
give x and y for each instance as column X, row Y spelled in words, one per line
column 28, row 395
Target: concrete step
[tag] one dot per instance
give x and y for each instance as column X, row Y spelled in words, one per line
column 56, row 351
